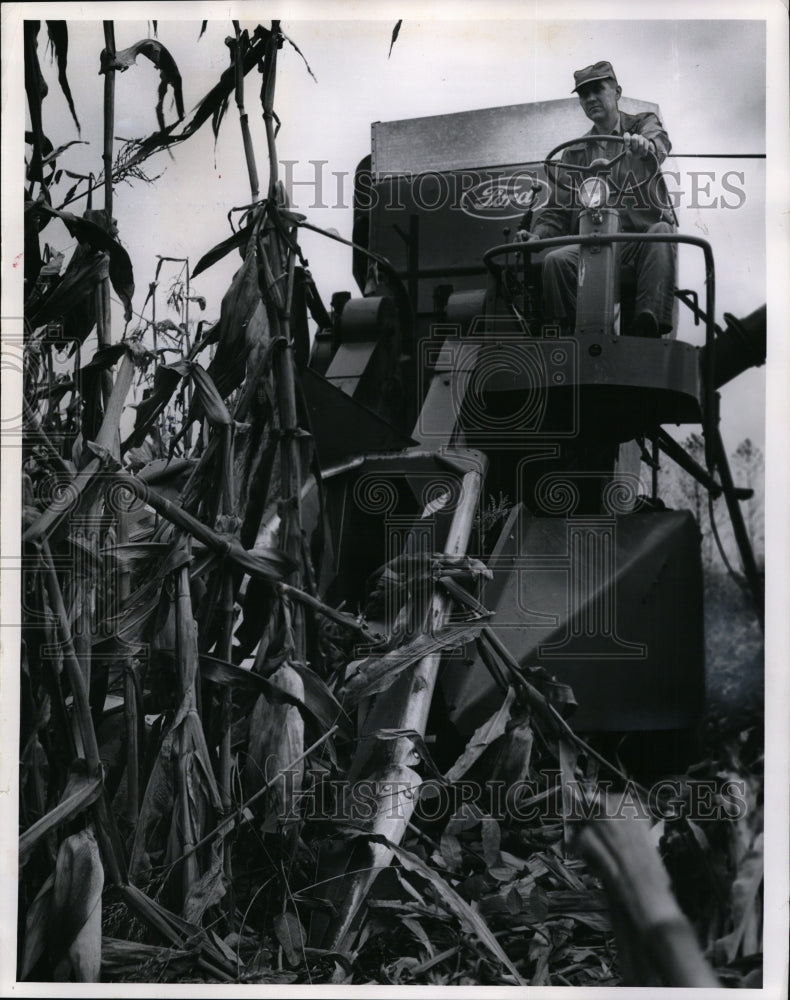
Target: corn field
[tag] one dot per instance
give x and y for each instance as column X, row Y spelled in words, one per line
column 190, row 704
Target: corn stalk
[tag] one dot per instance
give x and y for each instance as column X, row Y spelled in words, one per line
column 225, row 651
column 390, row 763
column 109, row 115
column 105, row 825
column 657, row 944
column 279, row 262
column 103, row 320
column 104, row 334
column 249, row 151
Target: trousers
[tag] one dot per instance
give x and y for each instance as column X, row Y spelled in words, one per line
column 650, row 266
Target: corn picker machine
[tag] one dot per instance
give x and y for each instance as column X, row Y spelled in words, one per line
column 491, row 463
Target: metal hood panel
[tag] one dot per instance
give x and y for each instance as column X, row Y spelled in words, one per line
column 611, row 605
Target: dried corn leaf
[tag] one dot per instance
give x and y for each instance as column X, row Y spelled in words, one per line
column 239, row 303
column 180, row 932
column 37, row 928
column 320, row 700
column 47, row 159
column 293, row 44
column 491, row 837
column 428, row 565
column 75, row 289
column 463, row 598
column 208, row 400
column 53, row 266
column 104, row 359
column 36, row 91
column 265, row 564
column 377, row 672
column 470, row 919
column 483, row 737
column 75, row 919
column 206, row 108
column 80, row 179
column 93, row 230
column 237, row 240
column 130, row 554
column 33, row 768
column 318, row 705
column 58, row 33
column 156, row 810
column 291, row 936
column 166, row 380
column 450, row 848
column 126, row 632
column 208, row 890
column 128, row 958
column 512, row 763
column 276, row 739
column 81, row 791
column 162, row 471
column 53, row 154
column 520, row 898
column 745, row 938
column 395, row 33
column 569, row 755
column 195, row 741
column 169, row 74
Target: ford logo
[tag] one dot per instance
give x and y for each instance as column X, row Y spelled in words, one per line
column 503, row 197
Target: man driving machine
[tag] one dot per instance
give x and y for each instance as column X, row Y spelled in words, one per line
column 642, row 202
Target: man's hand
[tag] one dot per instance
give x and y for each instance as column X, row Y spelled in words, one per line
column 525, row 236
column 638, row 145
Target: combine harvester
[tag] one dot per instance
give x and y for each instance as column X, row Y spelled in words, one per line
column 440, row 389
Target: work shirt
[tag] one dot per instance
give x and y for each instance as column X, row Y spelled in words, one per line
column 639, row 209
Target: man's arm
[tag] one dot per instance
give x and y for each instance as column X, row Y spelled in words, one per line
column 645, row 135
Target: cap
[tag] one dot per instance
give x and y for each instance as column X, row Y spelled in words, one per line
column 598, row 71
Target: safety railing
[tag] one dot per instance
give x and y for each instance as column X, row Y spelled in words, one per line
column 709, row 406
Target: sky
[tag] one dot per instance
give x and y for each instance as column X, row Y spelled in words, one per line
column 708, row 77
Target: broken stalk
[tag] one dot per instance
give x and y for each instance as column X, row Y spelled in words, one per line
column 404, row 706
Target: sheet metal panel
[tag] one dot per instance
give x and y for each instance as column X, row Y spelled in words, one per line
column 488, row 137
column 626, row 632
column 454, row 230
column 507, row 390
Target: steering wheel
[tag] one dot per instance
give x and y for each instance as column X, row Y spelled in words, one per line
column 599, row 166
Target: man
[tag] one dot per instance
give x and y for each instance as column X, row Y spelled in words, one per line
column 646, row 210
